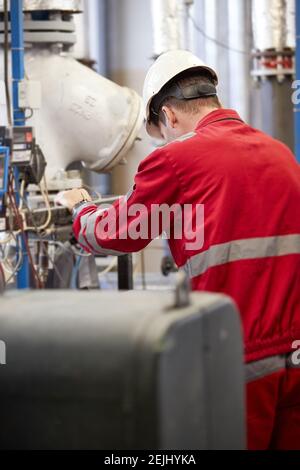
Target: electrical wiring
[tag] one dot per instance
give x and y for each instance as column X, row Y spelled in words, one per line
column 2, row 274
column 46, row 252
column 44, row 193
column 79, row 253
column 9, row 268
column 6, row 240
column 7, row 265
column 27, row 118
column 12, row 236
column 25, row 227
column 113, row 265
column 22, row 195
column 20, row 217
column 48, row 206
column 5, row 254
column 16, row 269
column 109, row 268
column 72, row 250
column 43, row 241
column 216, row 41
column 20, row 222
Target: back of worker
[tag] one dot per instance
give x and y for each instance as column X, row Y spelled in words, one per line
column 249, row 185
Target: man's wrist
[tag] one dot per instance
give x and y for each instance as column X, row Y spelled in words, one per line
column 79, row 207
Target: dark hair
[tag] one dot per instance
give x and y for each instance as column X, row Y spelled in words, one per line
column 202, row 82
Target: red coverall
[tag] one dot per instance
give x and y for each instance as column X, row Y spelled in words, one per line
column 249, row 185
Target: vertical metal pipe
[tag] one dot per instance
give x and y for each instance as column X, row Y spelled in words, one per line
column 198, row 41
column 239, row 68
column 17, row 49
column 96, row 12
column 211, row 31
column 18, row 73
column 183, row 11
column 297, row 106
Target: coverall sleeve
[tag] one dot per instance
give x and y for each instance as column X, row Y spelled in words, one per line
column 116, row 230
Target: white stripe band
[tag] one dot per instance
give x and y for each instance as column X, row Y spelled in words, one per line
column 238, row 250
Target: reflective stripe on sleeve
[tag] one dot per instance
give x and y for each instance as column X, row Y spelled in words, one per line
column 88, row 238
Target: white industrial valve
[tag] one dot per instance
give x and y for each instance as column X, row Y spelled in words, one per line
column 82, row 116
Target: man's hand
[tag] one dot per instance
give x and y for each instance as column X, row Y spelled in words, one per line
column 71, row 198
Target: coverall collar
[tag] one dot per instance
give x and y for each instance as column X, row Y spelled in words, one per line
column 218, row 115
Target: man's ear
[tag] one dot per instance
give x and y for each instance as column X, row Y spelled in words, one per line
column 170, row 116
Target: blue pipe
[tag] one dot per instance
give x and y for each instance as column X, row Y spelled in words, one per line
column 17, row 49
column 18, row 74
column 297, row 105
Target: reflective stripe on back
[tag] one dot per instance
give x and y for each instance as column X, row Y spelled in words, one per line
column 238, row 250
column 259, row 369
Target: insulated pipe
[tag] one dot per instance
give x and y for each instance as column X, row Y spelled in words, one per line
column 170, row 25
column 165, row 26
column 211, row 30
column 239, row 68
column 197, row 40
column 95, row 47
column 184, row 7
column 74, row 6
column 273, row 24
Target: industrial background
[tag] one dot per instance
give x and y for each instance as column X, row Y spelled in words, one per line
column 71, row 116
column 237, row 38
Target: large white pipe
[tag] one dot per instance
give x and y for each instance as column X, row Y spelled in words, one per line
column 211, row 30
column 84, row 116
column 273, row 24
column 54, row 5
column 183, row 11
column 239, row 62
column 170, row 20
column 291, row 23
column 165, row 26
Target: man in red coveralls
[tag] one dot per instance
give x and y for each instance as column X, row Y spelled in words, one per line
column 249, row 186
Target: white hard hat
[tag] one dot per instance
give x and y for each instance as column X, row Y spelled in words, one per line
column 165, row 69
